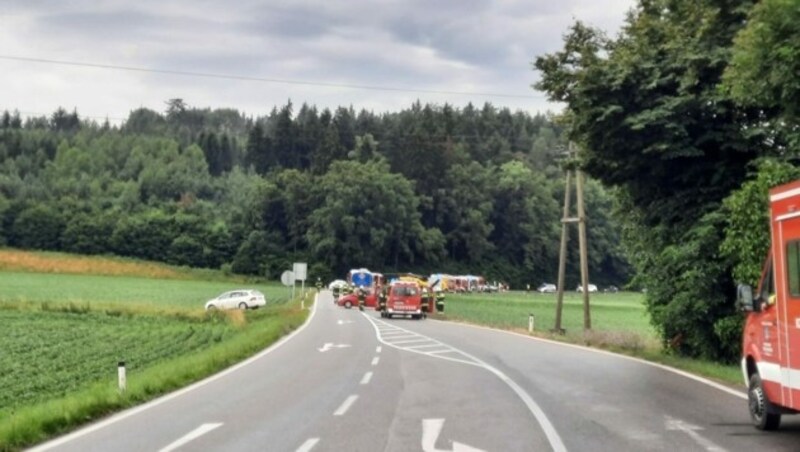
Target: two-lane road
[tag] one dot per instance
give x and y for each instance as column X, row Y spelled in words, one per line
column 351, row 381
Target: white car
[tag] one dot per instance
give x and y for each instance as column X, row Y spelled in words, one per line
column 547, row 288
column 592, row 288
column 337, row 284
column 242, row 299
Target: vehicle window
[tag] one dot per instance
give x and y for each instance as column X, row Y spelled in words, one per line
column 768, row 285
column 793, row 267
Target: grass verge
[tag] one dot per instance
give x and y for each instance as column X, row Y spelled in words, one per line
column 619, row 324
column 31, row 423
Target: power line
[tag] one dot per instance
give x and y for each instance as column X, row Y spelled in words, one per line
column 263, row 79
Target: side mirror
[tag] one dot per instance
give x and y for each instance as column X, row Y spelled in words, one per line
column 744, row 297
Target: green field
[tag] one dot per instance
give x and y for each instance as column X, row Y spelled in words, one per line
column 63, row 350
column 620, row 323
column 173, row 293
column 623, row 311
column 63, row 335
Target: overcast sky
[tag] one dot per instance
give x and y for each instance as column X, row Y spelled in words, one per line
column 474, row 46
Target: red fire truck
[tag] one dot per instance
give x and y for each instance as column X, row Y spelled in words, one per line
column 404, row 298
column 771, row 340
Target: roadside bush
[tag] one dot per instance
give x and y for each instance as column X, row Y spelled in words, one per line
column 186, row 250
column 260, row 254
column 38, row 227
column 88, row 234
column 147, row 236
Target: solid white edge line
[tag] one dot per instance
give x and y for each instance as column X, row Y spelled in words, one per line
column 682, row 373
column 172, row 395
column 547, row 427
column 191, row 436
column 348, row 402
column 367, row 377
column 308, row 445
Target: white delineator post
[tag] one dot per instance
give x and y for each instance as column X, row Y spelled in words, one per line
column 121, row 376
column 531, row 322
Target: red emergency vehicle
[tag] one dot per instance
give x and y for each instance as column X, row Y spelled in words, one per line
column 771, row 340
column 404, row 298
column 351, row 299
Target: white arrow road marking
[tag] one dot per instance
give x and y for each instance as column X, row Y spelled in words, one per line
column 691, row 430
column 348, row 402
column 344, row 322
column 308, row 445
column 330, row 345
column 431, row 428
column 194, row 434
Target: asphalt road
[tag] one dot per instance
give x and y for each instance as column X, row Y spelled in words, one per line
column 351, row 381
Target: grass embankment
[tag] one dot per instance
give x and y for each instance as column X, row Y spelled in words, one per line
column 63, row 335
column 619, row 323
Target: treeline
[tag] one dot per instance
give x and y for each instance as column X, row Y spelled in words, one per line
column 691, row 114
column 429, row 188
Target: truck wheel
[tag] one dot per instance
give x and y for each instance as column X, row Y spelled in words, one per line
column 762, row 412
column 348, row 305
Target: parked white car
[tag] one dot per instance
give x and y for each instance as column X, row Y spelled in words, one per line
column 242, row 299
column 592, row 288
column 547, row 288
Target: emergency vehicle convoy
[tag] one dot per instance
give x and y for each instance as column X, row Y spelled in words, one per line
column 406, row 294
column 771, row 339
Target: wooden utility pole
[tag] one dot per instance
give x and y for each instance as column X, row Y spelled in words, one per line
column 587, row 316
column 584, row 260
column 562, row 257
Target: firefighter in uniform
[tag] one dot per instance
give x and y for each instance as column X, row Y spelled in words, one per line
column 426, row 301
column 362, row 297
column 382, row 297
column 439, row 300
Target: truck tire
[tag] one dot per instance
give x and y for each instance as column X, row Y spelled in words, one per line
column 763, row 414
column 348, row 305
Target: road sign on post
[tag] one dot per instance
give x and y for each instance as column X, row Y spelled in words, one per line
column 299, row 269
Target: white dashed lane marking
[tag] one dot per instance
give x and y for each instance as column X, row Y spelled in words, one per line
column 348, row 402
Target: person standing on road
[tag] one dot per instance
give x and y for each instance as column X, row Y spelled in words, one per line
column 362, row 296
column 382, row 296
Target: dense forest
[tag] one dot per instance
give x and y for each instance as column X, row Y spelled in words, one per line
column 690, row 113
column 429, row 188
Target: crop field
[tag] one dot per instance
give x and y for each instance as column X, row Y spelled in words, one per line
column 622, row 312
column 92, row 289
column 63, row 334
column 50, row 262
column 49, row 354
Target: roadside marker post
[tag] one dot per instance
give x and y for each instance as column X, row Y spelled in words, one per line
column 121, row 376
column 531, row 322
